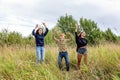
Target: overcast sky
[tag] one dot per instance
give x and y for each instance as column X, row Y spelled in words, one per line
column 22, row 15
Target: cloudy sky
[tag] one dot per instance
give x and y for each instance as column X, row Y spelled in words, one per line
column 22, row 15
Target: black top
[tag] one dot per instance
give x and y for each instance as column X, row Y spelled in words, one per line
column 80, row 41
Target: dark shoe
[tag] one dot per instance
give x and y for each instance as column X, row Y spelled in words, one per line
column 67, row 69
column 60, row 67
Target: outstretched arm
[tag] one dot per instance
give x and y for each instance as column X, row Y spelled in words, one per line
column 46, row 29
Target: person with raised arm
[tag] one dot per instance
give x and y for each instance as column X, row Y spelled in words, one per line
column 39, row 39
column 81, row 42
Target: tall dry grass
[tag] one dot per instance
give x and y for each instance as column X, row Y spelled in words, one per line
column 20, row 64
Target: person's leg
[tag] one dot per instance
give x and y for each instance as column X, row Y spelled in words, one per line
column 85, row 59
column 38, row 56
column 67, row 61
column 42, row 54
column 60, row 60
column 79, row 57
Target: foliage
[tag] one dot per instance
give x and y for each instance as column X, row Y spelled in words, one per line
column 66, row 24
column 14, row 38
column 28, row 40
column 93, row 33
column 109, row 36
column 48, row 38
column 4, row 36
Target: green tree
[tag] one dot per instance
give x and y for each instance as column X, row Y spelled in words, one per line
column 14, row 38
column 4, row 36
column 67, row 23
column 94, row 35
column 48, row 38
column 29, row 40
column 109, row 36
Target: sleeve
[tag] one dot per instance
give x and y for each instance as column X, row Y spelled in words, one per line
column 86, row 41
column 76, row 37
column 54, row 38
column 33, row 32
column 46, row 32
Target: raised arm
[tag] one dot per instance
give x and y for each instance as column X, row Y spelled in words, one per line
column 54, row 38
column 33, row 32
column 70, row 39
column 46, row 29
column 76, row 35
column 76, row 27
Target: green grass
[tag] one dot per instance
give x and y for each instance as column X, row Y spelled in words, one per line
column 20, row 64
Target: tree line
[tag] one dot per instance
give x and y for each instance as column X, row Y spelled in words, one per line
column 14, row 38
column 94, row 34
column 65, row 24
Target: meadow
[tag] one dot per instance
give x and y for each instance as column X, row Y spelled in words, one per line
column 19, row 63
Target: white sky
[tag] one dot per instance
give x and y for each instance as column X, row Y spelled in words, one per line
column 22, row 15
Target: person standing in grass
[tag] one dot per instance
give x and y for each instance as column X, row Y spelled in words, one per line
column 81, row 46
column 39, row 39
column 62, row 44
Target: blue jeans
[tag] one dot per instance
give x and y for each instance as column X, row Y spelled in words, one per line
column 40, row 54
column 65, row 56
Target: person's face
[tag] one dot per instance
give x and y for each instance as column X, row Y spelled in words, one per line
column 40, row 31
column 83, row 34
column 62, row 37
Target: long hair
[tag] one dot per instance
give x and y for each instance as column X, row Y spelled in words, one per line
column 81, row 33
column 37, row 32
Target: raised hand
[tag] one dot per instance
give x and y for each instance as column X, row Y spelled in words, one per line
column 36, row 26
column 44, row 24
column 68, row 33
column 76, row 27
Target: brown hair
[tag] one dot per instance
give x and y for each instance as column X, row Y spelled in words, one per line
column 81, row 33
column 62, row 34
column 38, row 30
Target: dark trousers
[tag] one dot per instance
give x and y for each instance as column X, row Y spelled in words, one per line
column 65, row 56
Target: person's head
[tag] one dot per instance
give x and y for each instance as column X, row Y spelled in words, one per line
column 82, row 34
column 39, row 31
column 62, row 36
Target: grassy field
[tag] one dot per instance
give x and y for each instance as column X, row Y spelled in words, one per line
column 20, row 64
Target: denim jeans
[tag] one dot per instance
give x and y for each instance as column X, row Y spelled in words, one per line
column 65, row 56
column 82, row 51
column 40, row 54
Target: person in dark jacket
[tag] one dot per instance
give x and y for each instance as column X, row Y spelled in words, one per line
column 39, row 39
column 81, row 46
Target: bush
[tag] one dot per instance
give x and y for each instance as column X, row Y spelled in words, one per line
column 14, row 38
column 109, row 36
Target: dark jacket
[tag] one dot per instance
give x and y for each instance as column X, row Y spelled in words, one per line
column 39, row 38
column 80, row 41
